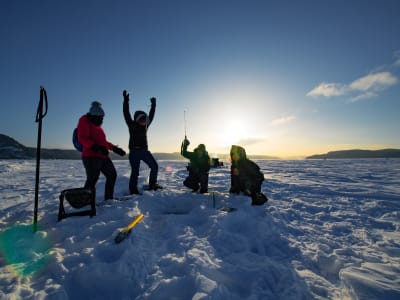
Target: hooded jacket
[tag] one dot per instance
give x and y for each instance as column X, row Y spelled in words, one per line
column 245, row 174
column 198, row 163
column 137, row 133
column 90, row 134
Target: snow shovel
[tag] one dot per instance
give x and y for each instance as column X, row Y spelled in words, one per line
column 124, row 232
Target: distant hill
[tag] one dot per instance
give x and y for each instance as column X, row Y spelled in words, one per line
column 249, row 156
column 356, row 153
column 11, row 149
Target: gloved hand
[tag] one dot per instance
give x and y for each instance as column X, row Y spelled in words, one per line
column 100, row 149
column 119, row 151
column 126, row 95
column 186, row 142
column 233, row 190
column 153, row 101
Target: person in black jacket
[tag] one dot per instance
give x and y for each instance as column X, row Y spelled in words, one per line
column 138, row 148
column 198, row 167
column 246, row 176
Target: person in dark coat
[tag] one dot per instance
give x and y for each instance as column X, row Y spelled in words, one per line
column 198, row 167
column 95, row 150
column 138, row 147
column 246, row 176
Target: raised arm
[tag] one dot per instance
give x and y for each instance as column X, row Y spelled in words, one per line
column 152, row 110
column 184, row 151
column 184, row 147
column 127, row 114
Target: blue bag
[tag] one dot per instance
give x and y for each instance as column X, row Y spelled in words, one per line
column 75, row 141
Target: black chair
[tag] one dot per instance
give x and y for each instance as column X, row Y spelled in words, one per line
column 77, row 198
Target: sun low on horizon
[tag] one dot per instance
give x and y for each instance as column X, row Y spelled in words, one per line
column 229, row 111
column 279, row 79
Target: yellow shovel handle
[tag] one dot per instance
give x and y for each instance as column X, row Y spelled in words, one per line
column 134, row 222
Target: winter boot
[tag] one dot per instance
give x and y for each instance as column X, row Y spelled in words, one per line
column 258, row 199
column 155, row 186
column 134, row 191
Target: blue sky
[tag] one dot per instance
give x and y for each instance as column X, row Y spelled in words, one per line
column 283, row 78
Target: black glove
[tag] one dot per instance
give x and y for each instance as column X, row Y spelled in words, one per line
column 153, row 101
column 186, row 142
column 233, row 190
column 126, row 95
column 100, row 149
column 119, row 151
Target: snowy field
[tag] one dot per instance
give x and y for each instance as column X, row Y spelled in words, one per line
column 329, row 231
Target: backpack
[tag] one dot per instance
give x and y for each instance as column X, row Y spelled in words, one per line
column 252, row 171
column 75, row 141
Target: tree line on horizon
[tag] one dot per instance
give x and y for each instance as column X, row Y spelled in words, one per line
column 11, row 149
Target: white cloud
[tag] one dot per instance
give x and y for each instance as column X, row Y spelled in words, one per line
column 327, row 90
column 250, row 141
column 369, row 86
column 374, row 82
column 283, row 120
column 363, row 96
column 397, row 59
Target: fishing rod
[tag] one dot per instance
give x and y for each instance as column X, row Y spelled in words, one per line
column 184, row 120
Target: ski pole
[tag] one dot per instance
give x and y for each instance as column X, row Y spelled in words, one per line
column 39, row 117
column 213, row 195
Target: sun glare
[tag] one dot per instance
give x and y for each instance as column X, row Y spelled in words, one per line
column 233, row 131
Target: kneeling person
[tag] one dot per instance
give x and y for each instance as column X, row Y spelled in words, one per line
column 246, row 176
column 198, row 167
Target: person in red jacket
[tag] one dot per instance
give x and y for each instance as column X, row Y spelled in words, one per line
column 95, row 150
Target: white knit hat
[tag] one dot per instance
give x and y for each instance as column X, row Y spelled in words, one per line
column 96, row 110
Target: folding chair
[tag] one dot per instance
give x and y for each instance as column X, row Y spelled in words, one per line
column 77, row 198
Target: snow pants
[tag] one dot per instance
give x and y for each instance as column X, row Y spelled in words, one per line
column 135, row 156
column 197, row 180
column 93, row 167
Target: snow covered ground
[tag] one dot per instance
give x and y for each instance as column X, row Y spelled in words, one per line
column 329, row 231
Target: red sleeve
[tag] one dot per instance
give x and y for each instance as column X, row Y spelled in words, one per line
column 110, row 146
column 84, row 133
column 88, row 135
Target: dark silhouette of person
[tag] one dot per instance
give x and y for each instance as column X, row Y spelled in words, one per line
column 246, row 176
column 198, row 167
column 95, row 150
column 138, row 147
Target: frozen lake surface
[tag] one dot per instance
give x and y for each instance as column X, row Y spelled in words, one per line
column 329, row 231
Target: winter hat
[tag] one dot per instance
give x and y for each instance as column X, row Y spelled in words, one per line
column 238, row 151
column 201, row 148
column 96, row 110
column 140, row 115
